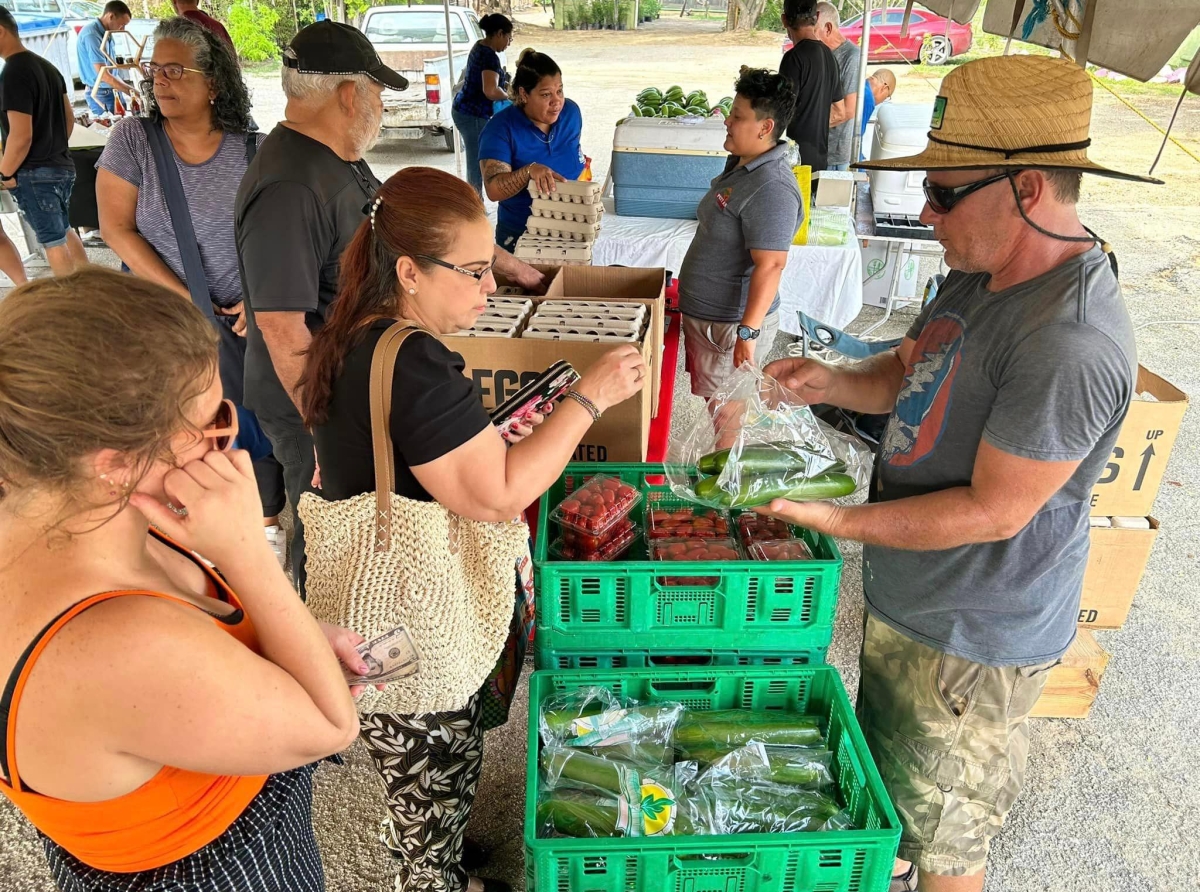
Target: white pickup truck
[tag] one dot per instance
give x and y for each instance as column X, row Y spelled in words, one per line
column 412, row 40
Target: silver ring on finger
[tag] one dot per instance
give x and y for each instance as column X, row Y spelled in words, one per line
column 180, row 512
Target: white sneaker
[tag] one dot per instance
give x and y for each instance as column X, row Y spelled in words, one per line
column 278, row 542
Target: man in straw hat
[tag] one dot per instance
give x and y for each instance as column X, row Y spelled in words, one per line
column 1006, row 397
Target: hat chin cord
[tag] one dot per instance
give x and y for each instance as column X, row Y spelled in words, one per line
column 1090, row 238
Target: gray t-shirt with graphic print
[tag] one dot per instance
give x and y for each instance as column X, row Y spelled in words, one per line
column 1044, row 370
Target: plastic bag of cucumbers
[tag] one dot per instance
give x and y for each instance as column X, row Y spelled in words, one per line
column 759, row 442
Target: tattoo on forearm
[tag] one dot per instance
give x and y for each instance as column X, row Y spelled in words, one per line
column 502, row 179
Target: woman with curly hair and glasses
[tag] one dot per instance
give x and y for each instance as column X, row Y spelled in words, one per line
column 199, row 111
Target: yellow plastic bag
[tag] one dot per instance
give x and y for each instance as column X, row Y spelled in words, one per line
column 803, row 174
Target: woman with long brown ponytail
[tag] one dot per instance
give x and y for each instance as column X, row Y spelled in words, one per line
column 426, row 255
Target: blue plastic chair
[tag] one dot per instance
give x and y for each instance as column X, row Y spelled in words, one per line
column 838, row 341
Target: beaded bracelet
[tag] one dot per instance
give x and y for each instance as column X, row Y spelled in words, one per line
column 586, row 403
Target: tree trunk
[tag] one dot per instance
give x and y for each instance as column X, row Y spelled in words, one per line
column 743, row 15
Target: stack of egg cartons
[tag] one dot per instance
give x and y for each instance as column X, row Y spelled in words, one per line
column 563, row 224
column 504, row 317
column 566, row 320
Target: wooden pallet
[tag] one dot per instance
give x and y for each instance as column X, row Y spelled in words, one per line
column 1072, row 687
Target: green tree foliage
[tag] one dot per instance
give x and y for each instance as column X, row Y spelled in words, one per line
column 254, row 30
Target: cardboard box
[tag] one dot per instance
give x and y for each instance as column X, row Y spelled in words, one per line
column 641, row 284
column 879, row 261
column 1073, row 685
column 1134, row 473
column 502, row 365
column 1116, row 562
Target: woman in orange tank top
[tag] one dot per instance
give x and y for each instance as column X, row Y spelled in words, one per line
column 155, row 727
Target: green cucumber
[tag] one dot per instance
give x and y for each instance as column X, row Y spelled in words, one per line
column 762, row 489
column 760, row 459
column 736, row 727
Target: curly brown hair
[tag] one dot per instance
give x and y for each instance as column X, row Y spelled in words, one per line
column 95, row 360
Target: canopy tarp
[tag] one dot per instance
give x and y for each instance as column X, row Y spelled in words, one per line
column 1133, row 37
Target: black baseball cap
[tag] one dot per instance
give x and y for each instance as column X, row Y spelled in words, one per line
column 334, row 48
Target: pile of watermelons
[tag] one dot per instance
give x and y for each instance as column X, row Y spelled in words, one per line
column 673, row 103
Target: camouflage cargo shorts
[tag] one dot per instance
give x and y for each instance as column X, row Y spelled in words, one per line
column 951, row 738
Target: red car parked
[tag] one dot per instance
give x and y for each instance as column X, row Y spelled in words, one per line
column 888, row 46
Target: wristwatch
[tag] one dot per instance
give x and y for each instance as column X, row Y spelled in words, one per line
column 746, row 333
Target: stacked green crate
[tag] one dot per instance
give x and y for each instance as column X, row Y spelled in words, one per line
column 852, row 860
column 638, row 612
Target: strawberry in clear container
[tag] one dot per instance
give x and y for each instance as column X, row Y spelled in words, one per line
column 780, row 550
column 589, row 542
column 693, row 550
column 757, row 528
column 614, row 548
column 597, row 506
column 688, row 522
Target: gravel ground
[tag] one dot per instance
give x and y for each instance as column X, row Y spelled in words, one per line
column 1111, row 803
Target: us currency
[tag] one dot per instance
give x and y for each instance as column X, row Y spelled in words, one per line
column 389, row 657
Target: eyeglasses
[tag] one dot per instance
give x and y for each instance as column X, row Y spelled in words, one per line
column 172, row 71
column 942, row 199
column 476, row 275
column 223, row 429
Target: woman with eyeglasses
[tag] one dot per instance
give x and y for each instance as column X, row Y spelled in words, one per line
column 200, row 106
column 425, row 255
column 159, row 720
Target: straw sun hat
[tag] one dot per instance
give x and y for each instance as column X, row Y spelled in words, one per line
column 1009, row 111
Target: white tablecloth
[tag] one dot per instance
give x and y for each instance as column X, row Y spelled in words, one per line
column 826, row 283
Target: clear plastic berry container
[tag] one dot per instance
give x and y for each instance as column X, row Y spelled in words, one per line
column 780, row 550
column 597, row 506
column 694, row 549
column 754, row 527
column 616, row 547
column 686, row 522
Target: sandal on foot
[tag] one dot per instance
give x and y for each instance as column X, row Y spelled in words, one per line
column 474, row 855
column 905, row 882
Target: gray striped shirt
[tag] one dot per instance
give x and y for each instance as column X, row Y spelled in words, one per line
column 211, row 188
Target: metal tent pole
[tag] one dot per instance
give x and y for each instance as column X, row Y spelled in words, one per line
column 458, row 167
column 864, row 55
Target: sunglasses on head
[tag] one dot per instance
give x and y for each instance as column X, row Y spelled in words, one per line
column 223, row 429
column 942, row 199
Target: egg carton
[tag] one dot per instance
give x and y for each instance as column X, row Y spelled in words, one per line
column 553, row 252
column 479, row 333
column 513, row 314
column 581, row 310
column 560, row 210
column 509, row 291
column 571, row 192
column 553, row 323
column 495, row 327
column 595, row 336
column 568, row 230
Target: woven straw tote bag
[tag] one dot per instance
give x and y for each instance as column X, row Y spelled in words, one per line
column 379, row 560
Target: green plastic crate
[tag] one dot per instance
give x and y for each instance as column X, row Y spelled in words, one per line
column 641, row 659
column 828, row 861
column 763, row 606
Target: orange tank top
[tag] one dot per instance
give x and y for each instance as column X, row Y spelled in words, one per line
column 169, row 817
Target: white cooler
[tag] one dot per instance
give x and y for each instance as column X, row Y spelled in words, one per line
column 662, row 167
column 899, row 130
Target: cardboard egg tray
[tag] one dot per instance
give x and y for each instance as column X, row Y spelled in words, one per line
column 561, row 210
column 567, row 230
column 578, row 310
column 570, row 192
column 581, row 335
column 493, row 327
column 553, row 252
column 561, row 323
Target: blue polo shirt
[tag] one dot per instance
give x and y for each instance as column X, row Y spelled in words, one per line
column 514, row 139
column 87, row 51
column 868, row 110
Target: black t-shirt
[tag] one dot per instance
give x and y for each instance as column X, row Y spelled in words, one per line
column 31, row 85
column 813, row 71
column 298, row 207
column 435, row 409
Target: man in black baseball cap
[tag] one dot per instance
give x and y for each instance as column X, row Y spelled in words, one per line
column 299, row 205
column 333, row 48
